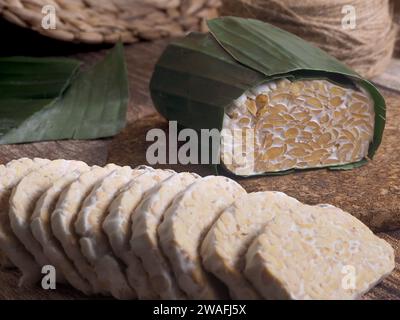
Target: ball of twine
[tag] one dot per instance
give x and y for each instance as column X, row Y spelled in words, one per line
column 397, row 21
column 367, row 48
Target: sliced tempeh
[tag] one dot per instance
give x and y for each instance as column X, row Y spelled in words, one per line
column 317, row 252
column 65, row 214
column 10, row 246
column 41, row 230
column 118, row 227
column 5, row 192
column 144, row 242
column 23, row 200
column 186, row 223
column 224, row 249
column 93, row 241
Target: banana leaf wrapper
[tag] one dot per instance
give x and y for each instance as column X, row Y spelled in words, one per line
column 198, row 77
column 45, row 99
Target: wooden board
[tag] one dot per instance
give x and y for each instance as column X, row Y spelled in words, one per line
column 372, row 193
column 391, row 78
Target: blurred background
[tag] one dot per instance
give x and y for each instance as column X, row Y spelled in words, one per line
column 367, row 46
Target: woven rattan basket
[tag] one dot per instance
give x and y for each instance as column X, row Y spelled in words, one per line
column 108, row 21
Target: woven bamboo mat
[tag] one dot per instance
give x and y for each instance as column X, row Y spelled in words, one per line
column 108, row 21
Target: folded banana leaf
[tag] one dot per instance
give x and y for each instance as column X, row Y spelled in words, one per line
column 199, row 78
column 49, row 99
column 35, row 78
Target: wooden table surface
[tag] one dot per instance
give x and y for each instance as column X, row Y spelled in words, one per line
column 371, row 193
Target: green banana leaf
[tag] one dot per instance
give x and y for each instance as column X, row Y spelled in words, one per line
column 28, row 84
column 35, row 78
column 86, row 105
column 195, row 79
column 198, row 76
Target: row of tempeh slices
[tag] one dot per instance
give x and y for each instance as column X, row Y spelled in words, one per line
column 154, row 234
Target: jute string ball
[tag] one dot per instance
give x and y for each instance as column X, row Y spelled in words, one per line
column 367, row 48
column 397, row 21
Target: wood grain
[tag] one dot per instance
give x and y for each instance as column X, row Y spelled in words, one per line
column 371, row 193
column 391, row 78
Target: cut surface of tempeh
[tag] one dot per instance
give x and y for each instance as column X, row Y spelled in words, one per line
column 284, row 125
column 224, row 248
column 64, row 217
column 11, row 247
column 317, row 252
column 23, row 200
column 144, row 242
column 186, row 223
column 41, row 230
column 118, row 227
column 93, row 241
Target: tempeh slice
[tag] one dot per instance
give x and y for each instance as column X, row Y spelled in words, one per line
column 11, row 247
column 93, row 241
column 144, row 242
column 317, row 252
column 118, row 227
column 65, row 214
column 41, row 230
column 186, row 223
column 224, row 249
column 23, row 200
